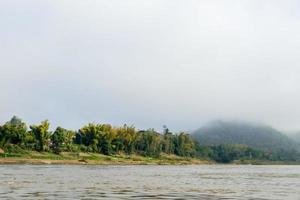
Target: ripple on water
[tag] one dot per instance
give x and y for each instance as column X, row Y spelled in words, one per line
column 149, row 182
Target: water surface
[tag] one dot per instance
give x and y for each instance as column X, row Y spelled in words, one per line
column 149, row 182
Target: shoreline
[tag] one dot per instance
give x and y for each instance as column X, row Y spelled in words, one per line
column 71, row 158
column 81, row 158
column 5, row 161
column 30, row 161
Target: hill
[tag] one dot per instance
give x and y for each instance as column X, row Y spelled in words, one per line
column 295, row 137
column 254, row 135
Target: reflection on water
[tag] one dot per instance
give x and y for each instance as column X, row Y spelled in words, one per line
column 149, row 182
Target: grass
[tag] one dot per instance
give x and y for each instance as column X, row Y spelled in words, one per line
column 35, row 157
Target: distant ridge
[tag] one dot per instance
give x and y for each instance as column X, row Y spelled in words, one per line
column 235, row 132
column 295, row 137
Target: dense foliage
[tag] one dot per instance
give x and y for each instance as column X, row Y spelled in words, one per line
column 109, row 140
column 98, row 138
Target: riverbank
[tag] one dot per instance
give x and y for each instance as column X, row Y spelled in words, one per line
column 33, row 157
column 71, row 158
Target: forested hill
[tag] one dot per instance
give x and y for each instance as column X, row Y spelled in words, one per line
column 254, row 135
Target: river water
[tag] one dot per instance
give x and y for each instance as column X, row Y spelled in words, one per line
column 149, row 182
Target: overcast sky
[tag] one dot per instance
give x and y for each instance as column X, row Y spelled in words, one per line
column 150, row 63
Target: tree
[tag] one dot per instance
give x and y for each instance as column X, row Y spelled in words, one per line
column 124, row 139
column 184, row 145
column 90, row 135
column 13, row 131
column 149, row 143
column 229, row 152
column 42, row 135
column 61, row 138
column 168, row 143
column 107, row 135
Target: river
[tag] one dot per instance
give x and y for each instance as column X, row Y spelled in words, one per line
column 149, row 182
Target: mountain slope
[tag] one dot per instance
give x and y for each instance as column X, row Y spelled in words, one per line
column 254, row 135
column 295, row 137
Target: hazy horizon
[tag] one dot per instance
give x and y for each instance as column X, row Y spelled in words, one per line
column 150, row 63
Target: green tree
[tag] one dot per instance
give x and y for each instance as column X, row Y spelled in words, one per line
column 149, row 143
column 124, row 139
column 90, row 135
column 184, row 145
column 13, row 131
column 168, row 143
column 42, row 135
column 61, row 139
column 107, row 135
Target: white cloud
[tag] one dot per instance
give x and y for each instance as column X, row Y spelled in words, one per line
column 180, row 63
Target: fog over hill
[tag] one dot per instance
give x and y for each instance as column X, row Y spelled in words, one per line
column 254, row 135
column 295, row 136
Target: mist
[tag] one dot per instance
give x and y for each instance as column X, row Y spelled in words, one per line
column 150, row 63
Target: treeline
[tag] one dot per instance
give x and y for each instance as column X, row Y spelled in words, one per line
column 98, row 138
column 226, row 153
column 109, row 140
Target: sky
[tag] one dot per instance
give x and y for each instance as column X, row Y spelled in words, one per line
column 150, row 63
